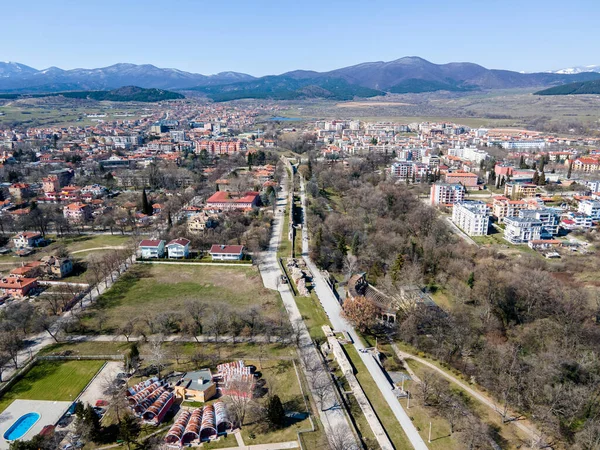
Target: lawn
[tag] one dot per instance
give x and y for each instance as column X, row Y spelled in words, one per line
column 155, row 288
column 313, row 315
column 281, row 379
column 79, row 243
column 53, row 380
column 382, row 409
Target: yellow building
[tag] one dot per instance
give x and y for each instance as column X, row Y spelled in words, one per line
column 196, row 386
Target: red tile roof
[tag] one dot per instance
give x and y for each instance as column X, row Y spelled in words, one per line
column 150, row 243
column 180, row 241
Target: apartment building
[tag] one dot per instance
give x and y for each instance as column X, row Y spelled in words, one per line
column 467, row 179
column 549, row 217
column 446, row 194
column 472, row 217
column 521, row 230
column 590, row 208
column 519, row 190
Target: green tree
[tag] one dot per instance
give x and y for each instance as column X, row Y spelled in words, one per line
column 536, row 178
column 471, row 280
column 355, row 245
column 275, row 412
column 397, row 267
column 570, row 170
column 250, row 160
column 146, row 206
column 341, row 245
column 542, row 179
column 129, row 430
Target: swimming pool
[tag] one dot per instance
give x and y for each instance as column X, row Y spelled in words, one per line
column 21, row 426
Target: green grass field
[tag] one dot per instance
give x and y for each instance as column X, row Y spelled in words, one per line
column 53, row 380
column 154, row 288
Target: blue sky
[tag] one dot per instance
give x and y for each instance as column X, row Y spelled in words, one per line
column 266, row 37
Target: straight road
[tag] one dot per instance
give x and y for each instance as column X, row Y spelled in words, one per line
column 334, row 310
column 319, row 381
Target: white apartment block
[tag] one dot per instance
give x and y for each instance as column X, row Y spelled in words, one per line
column 469, row 153
column 590, row 208
column 520, row 230
column 549, row 217
column 447, row 194
column 471, row 217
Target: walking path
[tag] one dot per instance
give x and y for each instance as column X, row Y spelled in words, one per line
column 333, row 311
column 319, row 381
column 485, row 400
column 93, row 249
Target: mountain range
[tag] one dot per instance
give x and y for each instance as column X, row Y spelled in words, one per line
column 578, row 69
column 404, row 75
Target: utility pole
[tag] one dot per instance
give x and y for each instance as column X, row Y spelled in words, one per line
column 430, row 432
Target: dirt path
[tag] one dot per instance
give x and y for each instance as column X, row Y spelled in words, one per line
column 93, row 249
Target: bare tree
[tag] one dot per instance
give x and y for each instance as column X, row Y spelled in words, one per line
column 10, row 344
column 239, row 400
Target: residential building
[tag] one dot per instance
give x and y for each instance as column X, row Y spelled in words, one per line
column 503, row 207
column 575, row 220
column 20, row 191
column 57, row 267
column 472, row 217
column 446, row 194
column 593, row 185
column 587, row 164
column 544, row 244
column 50, row 184
column 232, row 200
column 467, row 179
column 226, row 252
column 549, row 217
column 77, row 212
column 590, row 208
column 178, row 248
column 152, row 248
column 18, row 287
column 199, row 222
column 520, row 230
column 27, row 239
column 517, row 191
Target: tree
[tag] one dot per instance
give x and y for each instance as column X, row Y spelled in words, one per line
column 129, row 430
column 471, row 280
column 132, row 357
column 238, row 405
column 275, row 412
column 397, row 268
column 361, row 312
column 11, row 343
column 536, row 178
column 146, row 206
column 542, row 179
column 570, row 171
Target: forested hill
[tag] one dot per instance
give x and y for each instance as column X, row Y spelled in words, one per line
column 123, row 94
column 583, row 87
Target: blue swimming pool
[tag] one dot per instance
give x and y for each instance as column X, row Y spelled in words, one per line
column 21, row 426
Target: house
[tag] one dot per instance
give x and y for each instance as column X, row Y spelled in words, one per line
column 519, row 190
column 544, row 244
column 472, row 217
column 232, row 200
column 28, row 239
column 27, row 270
column 589, row 208
column 18, row 287
column 152, row 248
column 178, row 248
column 197, row 386
column 576, row 220
column 467, row 179
column 57, row 267
column 77, row 212
column 20, row 191
column 226, row 252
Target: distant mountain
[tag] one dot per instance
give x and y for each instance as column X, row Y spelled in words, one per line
column 123, row 94
column 405, row 75
column 283, row 87
column 578, row 69
column 586, row 87
column 16, row 77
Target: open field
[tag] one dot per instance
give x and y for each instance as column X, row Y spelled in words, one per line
column 53, row 380
column 155, row 288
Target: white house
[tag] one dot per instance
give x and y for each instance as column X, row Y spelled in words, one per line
column 589, row 208
column 27, row 239
column 226, row 252
column 178, row 248
column 152, row 248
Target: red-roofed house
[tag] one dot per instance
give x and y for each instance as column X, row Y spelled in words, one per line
column 232, row 200
column 467, row 179
column 226, row 252
column 178, row 248
column 77, row 212
column 18, row 287
column 152, row 248
column 27, row 239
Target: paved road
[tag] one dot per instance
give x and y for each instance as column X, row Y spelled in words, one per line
column 333, row 310
column 331, row 412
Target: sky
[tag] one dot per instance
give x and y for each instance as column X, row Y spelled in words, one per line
column 262, row 37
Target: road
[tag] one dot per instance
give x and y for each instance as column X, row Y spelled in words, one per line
column 334, row 310
column 331, row 413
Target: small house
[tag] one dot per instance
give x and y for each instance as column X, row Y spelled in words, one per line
column 152, row 248
column 28, row 239
column 18, row 287
column 197, row 386
column 226, row 252
column 178, row 248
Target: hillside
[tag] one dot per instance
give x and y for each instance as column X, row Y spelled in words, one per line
column 585, row 87
column 124, row 94
column 287, row 88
